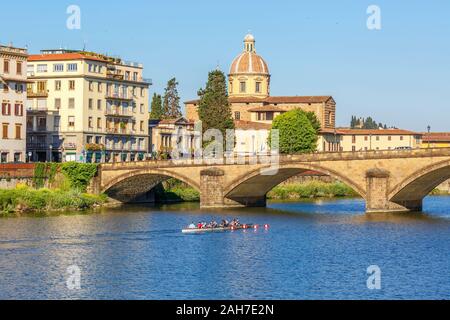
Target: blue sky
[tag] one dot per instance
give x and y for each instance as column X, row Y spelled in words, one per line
column 399, row 74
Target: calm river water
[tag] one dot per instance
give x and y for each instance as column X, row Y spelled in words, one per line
column 313, row 250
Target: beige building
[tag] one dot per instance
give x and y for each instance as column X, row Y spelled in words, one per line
column 13, row 97
column 251, row 103
column 381, row 139
column 173, row 135
column 86, row 107
column 436, row 140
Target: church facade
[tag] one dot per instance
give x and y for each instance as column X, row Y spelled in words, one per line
column 254, row 109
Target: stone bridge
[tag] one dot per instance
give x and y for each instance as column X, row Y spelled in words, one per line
column 388, row 180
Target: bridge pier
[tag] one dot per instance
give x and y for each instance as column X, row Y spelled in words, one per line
column 377, row 198
column 212, row 192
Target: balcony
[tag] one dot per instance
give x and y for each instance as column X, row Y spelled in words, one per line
column 117, row 112
column 37, row 94
column 37, row 110
column 118, row 96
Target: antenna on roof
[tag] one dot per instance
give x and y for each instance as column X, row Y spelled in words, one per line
column 84, row 45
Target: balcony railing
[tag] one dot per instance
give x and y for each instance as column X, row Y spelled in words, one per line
column 37, row 94
column 118, row 96
column 118, row 113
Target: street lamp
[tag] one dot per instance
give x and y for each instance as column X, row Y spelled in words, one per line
column 429, row 130
column 30, row 155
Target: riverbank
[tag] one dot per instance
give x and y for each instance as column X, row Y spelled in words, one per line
column 25, row 200
column 306, row 190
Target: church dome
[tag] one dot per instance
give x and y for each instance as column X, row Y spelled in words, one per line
column 248, row 62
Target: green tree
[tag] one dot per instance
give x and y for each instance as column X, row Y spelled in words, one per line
column 314, row 120
column 156, row 112
column 171, row 105
column 296, row 132
column 214, row 109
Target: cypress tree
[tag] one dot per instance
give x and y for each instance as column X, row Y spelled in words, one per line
column 171, row 105
column 156, row 112
column 214, row 109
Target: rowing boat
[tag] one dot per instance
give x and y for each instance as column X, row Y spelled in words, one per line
column 218, row 229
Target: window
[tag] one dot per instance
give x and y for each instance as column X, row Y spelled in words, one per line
column 389, row 138
column 99, row 87
column 71, row 84
column 56, row 123
column 378, row 138
column 90, row 122
column 58, row 67
column 258, row 87
column 99, row 104
column 5, row 130
column 99, row 123
column 4, row 157
column 142, row 126
column 71, row 121
column 90, row 103
column 142, row 108
column 19, row 88
column 5, row 87
column 58, row 85
column 30, row 69
column 401, row 138
column 89, row 139
column 71, row 103
column 265, row 116
column 19, row 67
column 231, row 87
column 57, row 103
column 17, row 156
column 127, row 75
column 18, row 109
column 269, row 116
column 18, row 131
column 6, row 109
column 6, row 66
column 135, row 76
column 353, row 148
column 237, row 115
column 72, row 67
column 91, row 86
column 354, row 139
column 242, row 87
column 41, row 68
column 42, row 86
column 366, row 138
column 142, row 92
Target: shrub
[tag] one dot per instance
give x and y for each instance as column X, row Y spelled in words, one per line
column 79, row 174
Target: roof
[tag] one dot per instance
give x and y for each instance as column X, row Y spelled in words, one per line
column 175, row 121
column 275, row 100
column 249, row 125
column 249, row 62
column 377, row 132
column 436, row 137
column 63, row 57
column 267, row 108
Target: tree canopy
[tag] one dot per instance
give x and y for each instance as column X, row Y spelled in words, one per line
column 156, row 112
column 171, row 104
column 297, row 134
column 214, row 109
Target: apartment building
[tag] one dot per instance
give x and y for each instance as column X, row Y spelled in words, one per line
column 13, row 97
column 86, row 107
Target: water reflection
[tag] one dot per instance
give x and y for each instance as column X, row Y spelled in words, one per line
column 313, row 250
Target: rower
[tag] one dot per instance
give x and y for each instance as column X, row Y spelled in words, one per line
column 192, row 226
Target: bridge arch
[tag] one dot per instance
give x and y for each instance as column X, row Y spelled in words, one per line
column 136, row 184
column 255, row 184
column 418, row 185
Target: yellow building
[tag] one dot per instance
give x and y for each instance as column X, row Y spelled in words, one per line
column 436, row 140
column 250, row 100
column 13, row 97
column 86, row 107
column 381, row 139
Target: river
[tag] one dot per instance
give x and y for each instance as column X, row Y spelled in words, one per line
column 313, row 250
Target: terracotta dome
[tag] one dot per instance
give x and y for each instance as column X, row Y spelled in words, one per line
column 249, row 62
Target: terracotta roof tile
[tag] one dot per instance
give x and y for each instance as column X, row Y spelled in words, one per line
column 273, row 100
column 249, row 125
column 436, row 137
column 376, row 132
column 62, row 57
